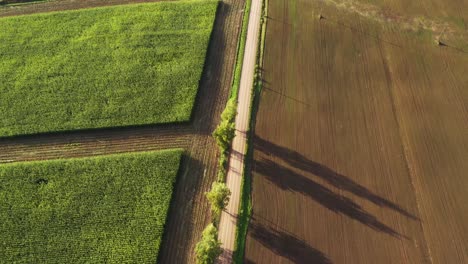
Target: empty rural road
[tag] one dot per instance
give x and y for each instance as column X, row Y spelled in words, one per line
column 228, row 223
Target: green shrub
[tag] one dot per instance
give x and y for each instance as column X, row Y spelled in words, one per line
column 224, row 134
column 230, row 111
column 225, row 131
column 218, row 197
column 222, row 166
column 209, row 248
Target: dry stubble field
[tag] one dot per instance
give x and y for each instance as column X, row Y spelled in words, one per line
column 361, row 137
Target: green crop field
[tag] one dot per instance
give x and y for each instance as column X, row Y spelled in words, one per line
column 108, row 209
column 104, row 67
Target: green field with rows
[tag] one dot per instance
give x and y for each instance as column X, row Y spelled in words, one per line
column 104, row 67
column 108, row 209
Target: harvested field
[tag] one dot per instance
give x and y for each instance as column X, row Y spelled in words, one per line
column 360, row 142
column 103, row 67
column 109, row 209
column 188, row 213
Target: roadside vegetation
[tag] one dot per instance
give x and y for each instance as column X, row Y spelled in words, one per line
column 104, row 67
column 218, row 197
column 224, row 134
column 209, row 248
column 241, row 51
column 108, row 209
column 245, row 208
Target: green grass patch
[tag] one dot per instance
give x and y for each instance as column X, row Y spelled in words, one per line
column 108, row 209
column 104, row 67
column 240, row 51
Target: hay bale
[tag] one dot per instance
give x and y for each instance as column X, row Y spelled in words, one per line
column 438, row 42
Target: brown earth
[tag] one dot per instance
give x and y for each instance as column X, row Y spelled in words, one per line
column 60, row 5
column 446, row 20
column 361, row 143
column 189, row 212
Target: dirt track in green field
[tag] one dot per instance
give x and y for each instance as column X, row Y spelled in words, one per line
column 361, row 139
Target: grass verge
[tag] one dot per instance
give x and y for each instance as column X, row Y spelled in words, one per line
column 240, row 51
column 103, row 67
column 245, row 208
column 107, row 209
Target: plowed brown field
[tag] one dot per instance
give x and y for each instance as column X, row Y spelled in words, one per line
column 361, row 142
column 188, row 214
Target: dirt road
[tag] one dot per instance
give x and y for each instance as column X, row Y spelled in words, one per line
column 228, row 223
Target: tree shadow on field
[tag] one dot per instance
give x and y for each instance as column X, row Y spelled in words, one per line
column 212, row 93
column 287, row 179
column 267, row 89
column 178, row 233
column 286, row 245
column 339, row 181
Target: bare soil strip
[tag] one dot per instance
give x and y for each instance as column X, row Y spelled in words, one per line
column 189, row 212
column 90, row 143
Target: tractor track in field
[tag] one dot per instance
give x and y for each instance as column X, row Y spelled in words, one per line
column 87, row 143
column 189, row 211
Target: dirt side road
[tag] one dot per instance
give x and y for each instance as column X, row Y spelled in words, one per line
column 228, row 223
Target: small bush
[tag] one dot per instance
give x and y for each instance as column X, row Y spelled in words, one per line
column 209, row 248
column 224, row 133
column 218, row 197
column 222, row 166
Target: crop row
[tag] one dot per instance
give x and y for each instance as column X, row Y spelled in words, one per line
column 104, row 67
column 109, row 209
